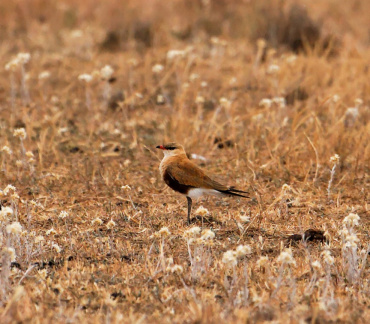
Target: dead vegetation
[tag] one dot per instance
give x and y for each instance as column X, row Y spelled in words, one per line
column 89, row 232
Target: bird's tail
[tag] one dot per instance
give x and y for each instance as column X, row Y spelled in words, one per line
column 235, row 192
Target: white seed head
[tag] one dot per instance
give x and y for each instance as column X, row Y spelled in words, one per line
column 56, row 247
column 9, row 251
column 335, row 159
column 207, row 234
column 39, row 239
column 263, row 261
column 335, row 98
column 97, row 221
column 63, row 214
column 352, row 112
column 244, row 219
column 286, row 257
column 44, row 75
column 5, row 212
column 199, row 100
column 243, row 250
column 266, row 103
column 85, row 77
column 158, row 68
column 8, row 188
column 164, row 231
column 201, row 211
column 173, row 54
column 192, row 232
column 7, row 150
column 328, row 259
column 229, row 258
column 175, row 269
column 273, row 69
column 358, row 102
column 19, row 163
column 280, row 101
column 316, row 265
column 12, row 65
column 21, row 133
column 51, row 231
column 23, row 58
column 111, row 224
column 14, row 228
column 351, row 241
column 106, row 72
column 351, row 220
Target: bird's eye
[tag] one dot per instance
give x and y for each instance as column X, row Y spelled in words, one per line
column 170, row 148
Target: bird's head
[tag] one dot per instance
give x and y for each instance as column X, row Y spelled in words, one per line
column 171, row 149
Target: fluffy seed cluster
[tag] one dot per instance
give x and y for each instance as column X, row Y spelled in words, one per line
column 201, row 211
column 163, row 232
column 230, row 258
column 286, row 257
column 20, row 133
column 14, row 228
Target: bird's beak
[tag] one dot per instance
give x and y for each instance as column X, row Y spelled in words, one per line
column 160, row 147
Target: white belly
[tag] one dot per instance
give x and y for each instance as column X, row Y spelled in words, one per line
column 198, row 192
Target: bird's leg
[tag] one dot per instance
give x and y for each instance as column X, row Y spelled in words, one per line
column 189, row 208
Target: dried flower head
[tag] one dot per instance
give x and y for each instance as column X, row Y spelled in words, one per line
column 19, row 163
column 273, row 69
column 243, row 250
column 51, row 231
column 106, row 72
column 316, row 265
column 5, row 212
column 207, row 234
column 44, row 75
column 23, row 58
column 158, row 68
column 328, row 259
column 199, row 100
column 358, row 102
column 39, row 239
column 335, row 159
column 56, row 247
column 8, row 188
column 266, row 103
column 85, row 77
column 63, row 214
column 126, row 187
column 263, row 261
column 229, row 258
column 192, row 232
column 175, row 269
column 244, row 219
column 21, row 133
column 111, row 224
column 201, row 211
column 286, row 257
column 164, row 231
column 174, row 54
column 14, row 228
column 97, row 221
column 351, row 241
column 280, row 101
column 351, row 220
column 7, row 150
column 10, row 252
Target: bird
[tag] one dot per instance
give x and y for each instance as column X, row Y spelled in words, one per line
column 186, row 178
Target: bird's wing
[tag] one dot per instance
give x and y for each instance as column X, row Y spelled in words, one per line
column 187, row 173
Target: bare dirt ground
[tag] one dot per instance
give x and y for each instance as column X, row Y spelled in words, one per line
column 269, row 96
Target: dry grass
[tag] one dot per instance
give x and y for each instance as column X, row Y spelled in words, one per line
column 88, row 269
